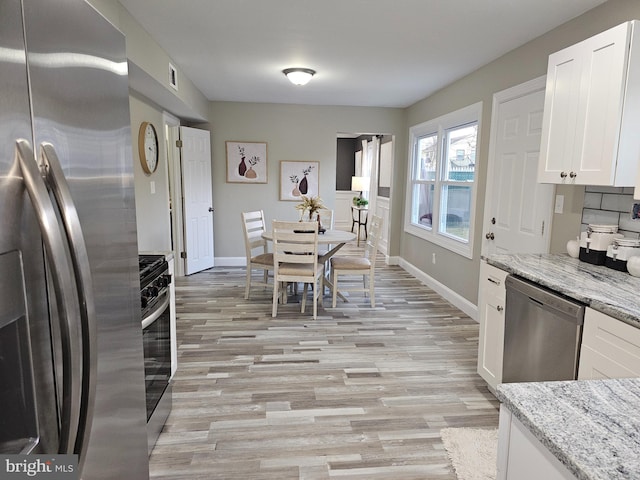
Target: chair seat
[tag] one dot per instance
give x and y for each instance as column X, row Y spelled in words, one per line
column 296, row 269
column 263, row 259
column 350, row 263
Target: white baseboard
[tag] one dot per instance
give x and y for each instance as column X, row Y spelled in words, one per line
column 230, row 261
column 454, row 298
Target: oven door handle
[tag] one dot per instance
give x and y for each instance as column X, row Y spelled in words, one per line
column 156, row 313
column 57, row 182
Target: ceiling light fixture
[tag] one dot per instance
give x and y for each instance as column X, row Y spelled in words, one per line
column 299, row 76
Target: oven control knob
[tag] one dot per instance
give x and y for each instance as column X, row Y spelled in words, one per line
column 144, row 301
column 152, row 291
column 163, row 282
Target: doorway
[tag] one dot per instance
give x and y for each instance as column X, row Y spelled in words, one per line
column 189, row 160
column 370, row 156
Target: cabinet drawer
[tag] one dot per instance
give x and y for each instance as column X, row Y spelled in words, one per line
column 492, row 280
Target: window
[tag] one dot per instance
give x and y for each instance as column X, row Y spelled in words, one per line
column 442, row 179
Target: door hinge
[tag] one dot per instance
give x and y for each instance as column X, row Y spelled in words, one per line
column 542, row 233
column 179, row 143
column 183, row 254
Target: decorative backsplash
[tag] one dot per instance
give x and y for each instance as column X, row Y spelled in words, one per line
column 610, row 206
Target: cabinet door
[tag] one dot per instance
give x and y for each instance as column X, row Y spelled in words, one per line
column 599, row 115
column 560, row 115
column 491, row 302
column 610, row 348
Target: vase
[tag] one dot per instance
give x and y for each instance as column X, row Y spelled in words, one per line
column 251, row 173
column 296, row 191
column 242, row 168
column 304, row 186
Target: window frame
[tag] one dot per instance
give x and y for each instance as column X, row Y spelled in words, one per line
column 440, row 126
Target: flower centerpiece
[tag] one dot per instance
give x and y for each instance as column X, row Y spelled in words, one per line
column 311, row 204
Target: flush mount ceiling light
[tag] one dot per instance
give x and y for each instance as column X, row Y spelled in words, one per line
column 299, row 76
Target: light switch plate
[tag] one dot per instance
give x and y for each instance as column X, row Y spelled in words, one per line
column 559, row 208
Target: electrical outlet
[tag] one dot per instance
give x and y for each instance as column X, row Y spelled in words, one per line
column 433, row 258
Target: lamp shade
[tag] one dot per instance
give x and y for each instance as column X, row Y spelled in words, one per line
column 360, row 184
column 299, row 76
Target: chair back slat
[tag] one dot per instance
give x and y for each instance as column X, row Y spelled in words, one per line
column 253, row 227
column 297, row 246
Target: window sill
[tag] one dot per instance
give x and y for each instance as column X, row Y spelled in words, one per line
column 459, row 248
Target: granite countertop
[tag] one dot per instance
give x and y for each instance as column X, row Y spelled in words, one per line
column 611, row 292
column 591, row 426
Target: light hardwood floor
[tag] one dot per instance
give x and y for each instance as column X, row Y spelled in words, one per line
column 359, row 393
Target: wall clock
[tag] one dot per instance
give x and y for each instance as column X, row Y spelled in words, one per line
column 148, row 147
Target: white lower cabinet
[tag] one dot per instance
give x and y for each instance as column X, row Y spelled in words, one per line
column 521, row 456
column 491, row 303
column 610, row 348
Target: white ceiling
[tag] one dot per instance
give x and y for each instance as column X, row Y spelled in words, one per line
column 388, row 53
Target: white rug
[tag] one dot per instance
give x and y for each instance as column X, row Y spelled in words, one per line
column 472, row 452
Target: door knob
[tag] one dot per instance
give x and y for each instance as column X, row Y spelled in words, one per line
column 211, row 209
column 493, row 221
column 489, row 236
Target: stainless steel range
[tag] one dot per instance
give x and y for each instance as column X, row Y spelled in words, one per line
column 155, row 282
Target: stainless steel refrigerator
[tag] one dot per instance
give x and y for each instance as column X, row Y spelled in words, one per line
column 71, row 360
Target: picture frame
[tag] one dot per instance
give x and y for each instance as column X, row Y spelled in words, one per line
column 298, row 178
column 246, row 162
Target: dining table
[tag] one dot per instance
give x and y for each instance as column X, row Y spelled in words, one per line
column 336, row 239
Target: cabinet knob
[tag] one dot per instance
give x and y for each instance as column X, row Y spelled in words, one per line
column 563, row 174
column 490, row 236
column 499, row 308
column 573, row 174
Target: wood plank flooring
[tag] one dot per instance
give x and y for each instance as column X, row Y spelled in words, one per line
column 359, row 393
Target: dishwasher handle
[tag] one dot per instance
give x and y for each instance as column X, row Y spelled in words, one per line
column 547, row 299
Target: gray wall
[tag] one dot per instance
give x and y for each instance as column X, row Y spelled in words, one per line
column 345, row 165
column 292, row 132
column 522, row 64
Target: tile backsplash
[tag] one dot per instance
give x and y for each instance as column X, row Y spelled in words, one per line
column 610, row 206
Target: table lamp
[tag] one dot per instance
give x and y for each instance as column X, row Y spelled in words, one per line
column 360, row 184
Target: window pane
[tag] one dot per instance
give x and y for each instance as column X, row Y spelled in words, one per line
column 422, row 211
column 426, row 161
column 456, row 207
column 461, row 153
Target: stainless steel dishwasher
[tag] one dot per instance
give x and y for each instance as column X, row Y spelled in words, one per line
column 542, row 334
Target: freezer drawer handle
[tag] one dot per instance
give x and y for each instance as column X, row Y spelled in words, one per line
column 66, row 295
column 58, row 184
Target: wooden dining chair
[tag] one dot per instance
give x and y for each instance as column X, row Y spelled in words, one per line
column 295, row 254
column 253, row 226
column 364, row 265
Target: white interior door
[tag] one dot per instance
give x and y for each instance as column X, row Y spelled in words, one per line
column 517, row 209
column 197, row 199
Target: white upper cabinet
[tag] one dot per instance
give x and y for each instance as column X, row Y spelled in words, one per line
column 592, row 111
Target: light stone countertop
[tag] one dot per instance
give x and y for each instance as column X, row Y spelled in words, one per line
column 591, row 426
column 609, row 291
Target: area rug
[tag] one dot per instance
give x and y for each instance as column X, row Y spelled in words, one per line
column 472, row 452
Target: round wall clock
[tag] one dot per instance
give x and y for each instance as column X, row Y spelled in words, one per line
column 148, row 147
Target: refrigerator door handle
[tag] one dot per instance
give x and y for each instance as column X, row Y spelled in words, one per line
column 57, row 182
column 65, row 293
